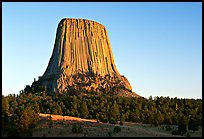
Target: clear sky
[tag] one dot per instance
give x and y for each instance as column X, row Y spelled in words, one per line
column 157, row 46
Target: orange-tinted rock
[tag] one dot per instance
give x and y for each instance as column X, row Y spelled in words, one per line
column 81, row 48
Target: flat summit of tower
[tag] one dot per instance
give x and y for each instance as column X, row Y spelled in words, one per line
column 77, row 19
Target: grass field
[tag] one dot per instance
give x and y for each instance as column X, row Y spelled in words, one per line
column 61, row 126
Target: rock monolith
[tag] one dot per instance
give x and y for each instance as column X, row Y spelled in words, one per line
column 82, row 59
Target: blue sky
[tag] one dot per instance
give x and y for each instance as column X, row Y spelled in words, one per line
column 157, row 46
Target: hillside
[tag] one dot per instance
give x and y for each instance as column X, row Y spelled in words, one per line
column 62, row 127
column 20, row 115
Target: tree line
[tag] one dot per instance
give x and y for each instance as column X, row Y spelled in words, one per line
column 20, row 112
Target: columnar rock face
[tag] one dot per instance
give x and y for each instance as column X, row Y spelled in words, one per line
column 82, row 50
column 81, row 46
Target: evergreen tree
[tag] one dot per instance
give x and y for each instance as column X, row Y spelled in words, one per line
column 193, row 124
column 114, row 111
column 182, row 126
column 84, row 110
column 24, row 120
column 5, row 106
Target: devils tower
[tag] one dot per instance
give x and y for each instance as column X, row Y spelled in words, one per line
column 82, row 59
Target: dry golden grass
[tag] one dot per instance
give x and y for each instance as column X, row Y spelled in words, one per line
column 62, row 127
column 66, row 118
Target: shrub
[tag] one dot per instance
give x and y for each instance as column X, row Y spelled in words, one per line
column 117, row 129
column 110, row 134
column 104, row 120
column 188, row 135
column 77, row 128
column 193, row 124
column 112, row 121
column 182, row 129
column 174, row 132
column 121, row 123
column 13, row 132
column 86, row 133
column 168, row 128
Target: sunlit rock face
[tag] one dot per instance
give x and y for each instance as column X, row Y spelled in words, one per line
column 82, row 58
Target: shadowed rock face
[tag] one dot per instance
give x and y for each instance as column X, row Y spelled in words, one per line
column 81, row 51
